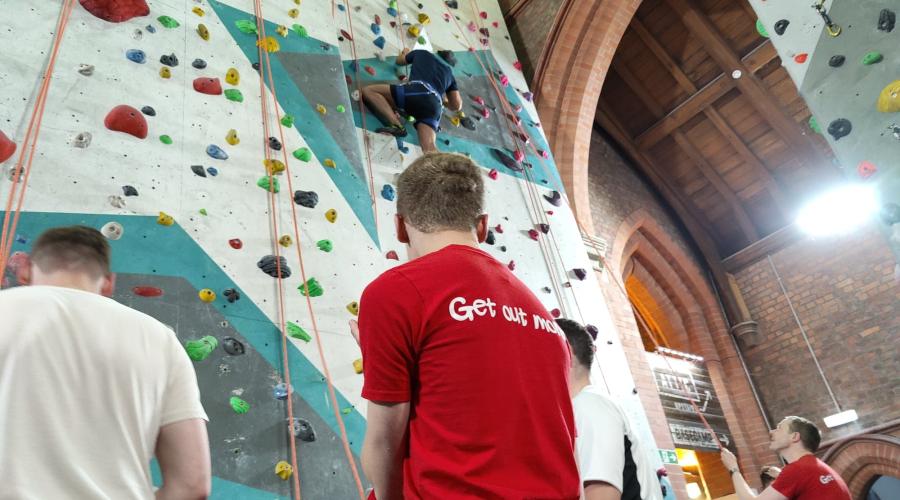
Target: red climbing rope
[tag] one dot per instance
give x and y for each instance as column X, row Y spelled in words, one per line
column 31, row 136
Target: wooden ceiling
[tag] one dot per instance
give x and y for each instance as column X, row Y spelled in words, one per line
column 732, row 155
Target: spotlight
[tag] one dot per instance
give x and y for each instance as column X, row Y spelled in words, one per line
column 839, row 210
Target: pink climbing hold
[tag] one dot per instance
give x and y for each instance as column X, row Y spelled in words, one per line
column 511, row 265
column 392, row 255
column 147, row 291
column 866, row 169
column 209, row 86
column 116, row 11
column 493, row 174
column 495, row 24
column 7, row 147
column 544, row 154
column 518, row 65
column 472, row 26
column 519, row 156
column 483, row 14
column 549, row 212
column 377, row 19
column 446, row 17
column 124, row 118
column 504, row 80
column 370, row 70
column 498, row 228
column 555, row 313
column 478, row 100
column 801, row 58
column 485, row 112
column 533, row 233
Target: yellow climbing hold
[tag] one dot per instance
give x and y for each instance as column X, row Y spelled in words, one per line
column 274, row 167
column 282, row 30
column 164, row 72
column 321, row 109
column 329, row 163
column 283, row 470
column 198, row 11
column 207, row 295
column 297, row 2
column 455, row 121
column 232, row 137
column 414, row 31
column 358, row 366
column 165, row 219
column 269, row 43
column 285, row 241
column 889, row 100
column 331, row 215
column 294, row 13
column 353, row 307
column 424, row 19
column 233, row 77
column 203, row 31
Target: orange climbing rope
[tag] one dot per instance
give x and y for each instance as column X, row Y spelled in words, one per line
column 264, row 56
column 31, row 136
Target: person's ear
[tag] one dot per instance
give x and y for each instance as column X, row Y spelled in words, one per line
column 109, row 285
column 481, row 228
column 24, row 273
column 400, row 225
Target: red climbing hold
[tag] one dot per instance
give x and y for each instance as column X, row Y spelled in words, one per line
column 478, row 100
column 124, row 118
column 496, row 24
column 392, row 255
column 7, row 147
column 116, row 11
column 483, row 14
column 518, row 65
column 485, row 112
column 533, row 234
column 499, row 228
column 147, row 291
column 801, row 58
column 555, row 313
column 370, row 70
column 209, row 86
column 493, row 174
column 511, row 265
column 236, row 243
column 866, row 169
column 377, row 20
column 346, row 35
column 519, row 156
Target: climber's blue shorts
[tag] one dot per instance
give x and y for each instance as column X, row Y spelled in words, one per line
column 417, row 100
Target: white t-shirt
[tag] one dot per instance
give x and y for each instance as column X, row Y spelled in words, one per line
column 85, row 385
column 602, row 427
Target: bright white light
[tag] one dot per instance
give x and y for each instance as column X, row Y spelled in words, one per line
column 736, row 74
column 844, row 417
column 694, row 491
column 839, row 210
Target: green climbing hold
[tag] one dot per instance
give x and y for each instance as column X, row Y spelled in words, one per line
column 393, row 4
column 340, row 108
column 198, row 350
column 315, row 289
column 239, row 405
column 203, row 211
column 295, row 331
column 287, row 121
column 347, row 411
column 168, row 22
column 411, row 119
column 303, row 154
column 324, row 245
column 422, row 40
column 234, row 95
column 299, row 30
column 245, row 26
column 761, row 29
column 165, row 139
column 263, row 182
column 814, row 125
column 873, row 57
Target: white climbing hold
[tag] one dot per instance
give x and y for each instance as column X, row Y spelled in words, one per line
column 116, row 201
column 86, row 69
column 355, row 95
column 82, row 140
column 112, row 230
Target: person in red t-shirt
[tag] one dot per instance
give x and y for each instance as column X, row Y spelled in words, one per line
column 805, row 477
column 466, row 373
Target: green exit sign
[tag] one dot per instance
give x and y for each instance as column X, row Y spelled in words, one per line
column 668, row 457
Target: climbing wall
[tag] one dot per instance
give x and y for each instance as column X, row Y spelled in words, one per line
column 848, row 70
column 154, row 132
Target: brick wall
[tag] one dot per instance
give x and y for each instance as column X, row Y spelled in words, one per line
column 529, row 28
column 846, row 297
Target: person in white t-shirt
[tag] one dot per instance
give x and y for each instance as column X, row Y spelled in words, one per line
column 91, row 388
column 611, row 460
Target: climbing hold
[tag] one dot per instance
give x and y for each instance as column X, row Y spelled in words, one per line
column 511, row 265
column 198, row 170
column 150, row 28
column 239, row 405
column 517, row 64
column 353, row 307
column 346, row 35
column 273, row 266
column 325, row 245
column 286, row 240
column 129, row 191
column 147, row 110
column 169, row 60
column 303, row 154
column 379, row 42
column 303, row 430
column 424, row 19
column 147, row 291
column 321, row 108
column 840, row 128
column 761, row 29
column 467, row 122
column 311, row 288
column 269, row 44
column 493, row 174
column 499, row 228
column 554, row 198
column 888, row 100
column 233, row 346
column 300, row 31
column 231, row 295
column 234, row 95
column 112, row 230
column 490, row 239
column 331, row 215
column 135, row 55
column 274, row 167
column 216, row 152
column 506, row 160
column 376, row 29
column 281, row 30
column 287, row 121
column 329, row 163
column 836, row 61
column 209, row 86
column 124, row 118
column 207, row 295
column 545, row 228
column 873, row 57
column 414, row 31
column 555, row 313
column 232, row 77
column 202, row 211
column 392, row 255
column 198, row 350
column 579, row 273
column 801, row 58
column 86, row 69
column 165, row 139
column 82, row 140
column 199, row 64
column 340, row 108
column 485, row 112
column 533, row 234
column 519, row 156
column 232, row 138
column 165, row 72
column 388, row 192
column 263, row 182
column 198, row 11
column 294, row 330
column 203, row 31
column 274, row 144
column 369, row 69
column 358, row 366
column 308, row 199
column 168, row 22
column 236, row 243
column 392, row 12
column 814, row 125
column 280, row 391
column 245, row 26
column 116, row 11
column 781, row 26
column 866, row 169
column 283, row 470
column 116, row 201
column 886, row 20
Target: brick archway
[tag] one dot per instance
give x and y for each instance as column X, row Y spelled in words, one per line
column 567, row 85
column 860, row 460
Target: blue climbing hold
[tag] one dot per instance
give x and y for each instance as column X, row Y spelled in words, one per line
column 212, row 171
column 135, row 55
column 280, row 391
column 376, row 29
column 401, row 146
column 150, row 28
column 392, row 11
column 388, row 193
column 216, row 152
column 341, row 7
column 379, row 42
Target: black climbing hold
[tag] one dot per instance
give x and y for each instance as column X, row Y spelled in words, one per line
column 781, row 26
column 503, row 248
column 169, row 60
column 554, row 198
column 545, row 228
column 593, row 330
column 147, row 110
column 256, row 66
column 453, row 4
column 233, row 346
column 274, row 144
column 446, row 142
column 546, row 289
column 890, row 213
column 198, row 170
column 467, row 122
column 886, row 20
column 579, row 273
column 506, row 159
column 308, row 199
column 340, row 39
column 836, row 61
column 489, row 239
column 447, row 55
column 270, row 266
column 421, row 6
column 129, row 191
column 840, row 128
column 199, row 63
column 303, row 430
column 232, row 295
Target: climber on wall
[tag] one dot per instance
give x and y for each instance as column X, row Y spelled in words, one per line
column 422, row 96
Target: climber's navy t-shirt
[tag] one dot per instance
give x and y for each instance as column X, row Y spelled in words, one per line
column 427, row 67
column 485, row 369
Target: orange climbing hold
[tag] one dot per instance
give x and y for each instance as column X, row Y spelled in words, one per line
column 801, row 58
column 7, row 147
column 124, row 118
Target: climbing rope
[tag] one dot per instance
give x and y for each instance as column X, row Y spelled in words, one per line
column 29, row 143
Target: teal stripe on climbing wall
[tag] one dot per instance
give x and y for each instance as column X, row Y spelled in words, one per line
column 174, row 253
column 354, row 188
column 222, row 488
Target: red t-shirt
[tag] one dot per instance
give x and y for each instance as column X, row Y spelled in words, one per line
column 809, row 478
column 486, row 371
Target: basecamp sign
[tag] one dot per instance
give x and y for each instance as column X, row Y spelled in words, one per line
column 681, row 382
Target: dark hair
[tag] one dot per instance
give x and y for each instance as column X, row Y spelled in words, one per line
column 441, row 192
column 765, row 478
column 809, row 433
column 580, row 340
column 73, row 248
